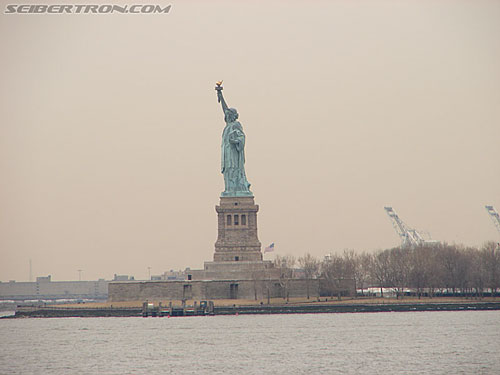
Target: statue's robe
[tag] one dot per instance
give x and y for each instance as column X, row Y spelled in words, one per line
column 233, row 158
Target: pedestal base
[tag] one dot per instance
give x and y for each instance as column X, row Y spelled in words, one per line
column 250, row 270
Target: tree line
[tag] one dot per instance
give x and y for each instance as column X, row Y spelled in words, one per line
column 426, row 270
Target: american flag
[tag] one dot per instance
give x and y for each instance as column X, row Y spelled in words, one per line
column 269, row 248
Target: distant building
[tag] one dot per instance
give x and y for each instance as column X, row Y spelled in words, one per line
column 123, row 278
column 46, row 289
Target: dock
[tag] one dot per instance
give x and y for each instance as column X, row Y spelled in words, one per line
column 203, row 308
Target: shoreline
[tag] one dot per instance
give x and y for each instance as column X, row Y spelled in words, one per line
column 257, row 309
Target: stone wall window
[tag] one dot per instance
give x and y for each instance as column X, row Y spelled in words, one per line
column 236, row 220
column 228, row 219
column 243, row 219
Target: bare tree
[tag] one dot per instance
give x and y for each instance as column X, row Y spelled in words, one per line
column 465, row 270
column 399, row 270
column 362, row 270
column 337, row 273
column 358, row 266
column 379, row 269
column 310, row 265
column 490, row 254
column 478, row 274
column 449, row 259
column 436, row 271
column 350, row 264
column 285, row 266
column 421, row 259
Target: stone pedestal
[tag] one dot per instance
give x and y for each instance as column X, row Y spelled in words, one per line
column 236, row 270
column 237, row 239
column 237, row 250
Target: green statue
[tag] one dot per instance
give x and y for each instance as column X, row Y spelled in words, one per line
column 233, row 152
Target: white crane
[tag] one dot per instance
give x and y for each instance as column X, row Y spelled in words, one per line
column 409, row 237
column 494, row 216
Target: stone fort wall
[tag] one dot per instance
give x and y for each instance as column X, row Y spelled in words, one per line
column 210, row 289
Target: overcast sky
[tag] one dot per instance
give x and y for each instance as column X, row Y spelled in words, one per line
column 110, row 129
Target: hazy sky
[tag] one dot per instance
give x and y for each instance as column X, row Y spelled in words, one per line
column 110, row 129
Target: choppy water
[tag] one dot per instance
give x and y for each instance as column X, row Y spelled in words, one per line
column 377, row 343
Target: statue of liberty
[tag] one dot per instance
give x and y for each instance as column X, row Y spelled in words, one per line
column 233, row 152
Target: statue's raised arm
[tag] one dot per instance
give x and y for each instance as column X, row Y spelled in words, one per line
column 220, row 97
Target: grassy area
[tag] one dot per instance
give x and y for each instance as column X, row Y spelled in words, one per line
column 281, row 301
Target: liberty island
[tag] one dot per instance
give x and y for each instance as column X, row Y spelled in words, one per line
column 238, row 270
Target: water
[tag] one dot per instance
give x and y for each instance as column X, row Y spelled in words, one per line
column 377, row 343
